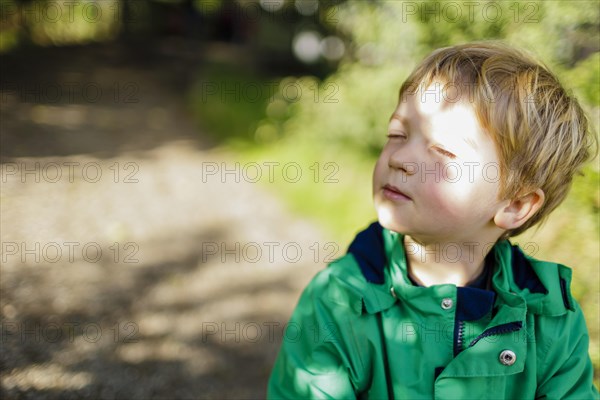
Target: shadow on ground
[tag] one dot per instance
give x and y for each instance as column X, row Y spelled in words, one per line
column 122, row 338
column 156, row 315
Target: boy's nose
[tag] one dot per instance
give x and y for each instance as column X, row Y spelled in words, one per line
column 400, row 161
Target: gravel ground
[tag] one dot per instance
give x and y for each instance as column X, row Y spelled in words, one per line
column 150, row 280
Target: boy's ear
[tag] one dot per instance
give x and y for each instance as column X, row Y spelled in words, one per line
column 519, row 210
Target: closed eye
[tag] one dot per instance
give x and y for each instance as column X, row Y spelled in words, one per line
column 396, row 134
column 445, row 153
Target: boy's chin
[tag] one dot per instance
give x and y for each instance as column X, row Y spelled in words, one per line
column 388, row 221
column 391, row 223
column 392, row 228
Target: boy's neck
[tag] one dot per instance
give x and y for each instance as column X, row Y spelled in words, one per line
column 443, row 262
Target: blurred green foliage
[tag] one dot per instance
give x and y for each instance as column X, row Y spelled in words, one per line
column 45, row 23
column 230, row 102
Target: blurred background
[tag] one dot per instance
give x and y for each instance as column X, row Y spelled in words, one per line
column 175, row 171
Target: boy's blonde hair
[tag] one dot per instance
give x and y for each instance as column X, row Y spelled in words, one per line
column 540, row 131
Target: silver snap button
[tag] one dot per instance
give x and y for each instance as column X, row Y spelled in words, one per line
column 508, row 357
column 393, row 292
column 447, row 303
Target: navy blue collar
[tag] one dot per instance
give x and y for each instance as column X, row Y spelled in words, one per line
column 369, row 251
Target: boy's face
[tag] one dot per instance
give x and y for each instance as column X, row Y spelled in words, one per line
column 445, row 166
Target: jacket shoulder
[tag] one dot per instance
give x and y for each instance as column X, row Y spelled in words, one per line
column 339, row 284
column 342, row 285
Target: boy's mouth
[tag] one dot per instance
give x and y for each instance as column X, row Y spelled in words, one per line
column 393, row 193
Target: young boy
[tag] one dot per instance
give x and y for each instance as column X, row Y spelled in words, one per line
column 433, row 301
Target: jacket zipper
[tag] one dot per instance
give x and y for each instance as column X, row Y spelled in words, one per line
column 460, row 337
column 498, row 330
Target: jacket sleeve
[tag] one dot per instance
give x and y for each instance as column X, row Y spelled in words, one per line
column 312, row 362
column 568, row 372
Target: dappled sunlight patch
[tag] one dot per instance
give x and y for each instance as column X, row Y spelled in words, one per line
column 166, row 350
column 45, row 377
column 67, row 116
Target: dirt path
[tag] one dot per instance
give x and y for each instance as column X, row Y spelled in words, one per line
column 127, row 271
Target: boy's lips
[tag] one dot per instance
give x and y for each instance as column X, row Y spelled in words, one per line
column 393, row 193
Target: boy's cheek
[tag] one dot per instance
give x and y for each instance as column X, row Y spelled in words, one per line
column 379, row 174
column 450, row 200
column 452, row 172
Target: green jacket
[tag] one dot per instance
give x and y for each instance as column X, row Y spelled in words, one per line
column 352, row 336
